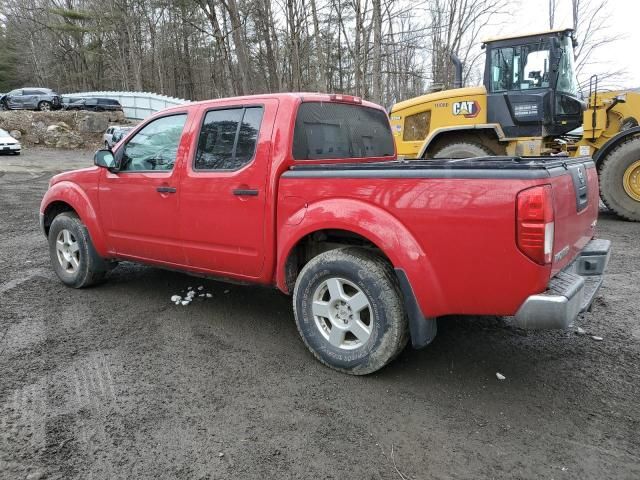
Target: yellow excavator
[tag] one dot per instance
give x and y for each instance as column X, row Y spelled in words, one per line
column 530, row 105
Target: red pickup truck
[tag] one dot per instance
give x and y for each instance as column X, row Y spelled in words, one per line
column 304, row 192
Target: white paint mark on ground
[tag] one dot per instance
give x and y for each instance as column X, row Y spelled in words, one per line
column 28, row 275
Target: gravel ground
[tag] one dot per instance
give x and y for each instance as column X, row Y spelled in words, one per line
column 118, row 382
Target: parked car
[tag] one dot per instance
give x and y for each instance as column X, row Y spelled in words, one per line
column 114, row 134
column 8, row 144
column 304, row 192
column 67, row 100
column 43, row 99
column 96, row 105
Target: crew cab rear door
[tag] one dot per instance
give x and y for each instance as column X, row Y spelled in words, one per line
column 223, row 190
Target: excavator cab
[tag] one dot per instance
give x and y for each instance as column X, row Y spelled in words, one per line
column 532, row 89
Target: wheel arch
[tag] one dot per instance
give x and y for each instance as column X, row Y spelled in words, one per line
column 490, row 135
column 67, row 196
column 51, row 211
column 614, row 142
column 336, row 220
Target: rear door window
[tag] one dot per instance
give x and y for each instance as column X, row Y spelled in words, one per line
column 326, row 130
column 228, row 138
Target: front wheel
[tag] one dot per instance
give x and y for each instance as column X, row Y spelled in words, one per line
column 463, row 149
column 44, row 106
column 73, row 256
column 620, row 180
column 349, row 310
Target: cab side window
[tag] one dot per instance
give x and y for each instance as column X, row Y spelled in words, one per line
column 228, row 138
column 155, row 147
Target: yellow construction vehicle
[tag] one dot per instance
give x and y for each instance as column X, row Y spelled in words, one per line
column 530, row 105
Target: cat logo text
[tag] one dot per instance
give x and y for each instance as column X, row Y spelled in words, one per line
column 469, row 108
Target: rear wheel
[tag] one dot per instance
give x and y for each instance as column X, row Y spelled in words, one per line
column 349, row 310
column 620, row 180
column 73, row 256
column 44, row 106
column 463, row 150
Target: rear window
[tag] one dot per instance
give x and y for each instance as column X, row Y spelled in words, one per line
column 337, row 130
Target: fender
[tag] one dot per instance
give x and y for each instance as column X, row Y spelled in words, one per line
column 70, row 193
column 613, row 142
column 376, row 225
column 438, row 131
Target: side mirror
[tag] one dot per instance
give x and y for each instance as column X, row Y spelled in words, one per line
column 104, row 158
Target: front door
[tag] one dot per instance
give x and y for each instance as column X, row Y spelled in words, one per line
column 224, row 188
column 139, row 203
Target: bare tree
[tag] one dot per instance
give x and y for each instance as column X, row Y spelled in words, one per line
column 455, row 29
column 384, row 50
column 592, row 30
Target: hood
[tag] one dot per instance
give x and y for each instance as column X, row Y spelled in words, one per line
column 8, row 139
column 72, row 175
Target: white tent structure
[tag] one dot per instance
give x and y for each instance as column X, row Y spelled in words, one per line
column 136, row 105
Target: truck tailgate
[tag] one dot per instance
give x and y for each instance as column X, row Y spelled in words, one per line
column 576, row 203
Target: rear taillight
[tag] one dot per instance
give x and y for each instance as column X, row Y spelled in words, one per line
column 534, row 225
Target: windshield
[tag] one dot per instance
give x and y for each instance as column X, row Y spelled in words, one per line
column 567, row 81
column 521, row 67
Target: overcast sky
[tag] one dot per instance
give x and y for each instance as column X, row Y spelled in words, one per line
column 624, row 22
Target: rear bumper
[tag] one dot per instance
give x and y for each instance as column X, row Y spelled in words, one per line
column 569, row 293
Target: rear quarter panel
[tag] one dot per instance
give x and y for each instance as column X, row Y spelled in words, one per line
column 455, row 238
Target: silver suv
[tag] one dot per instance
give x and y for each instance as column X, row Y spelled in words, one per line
column 30, row 98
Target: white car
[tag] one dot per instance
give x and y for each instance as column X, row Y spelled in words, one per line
column 113, row 135
column 8, row 144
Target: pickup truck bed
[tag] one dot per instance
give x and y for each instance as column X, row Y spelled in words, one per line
column 459, row 215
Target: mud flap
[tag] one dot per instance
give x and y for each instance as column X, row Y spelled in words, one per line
column 423, row 330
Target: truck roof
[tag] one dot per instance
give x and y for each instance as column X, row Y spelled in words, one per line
column 523, row 35
column 304, row 96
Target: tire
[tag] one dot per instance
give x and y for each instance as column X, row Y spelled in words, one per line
column 88, row 268
column 463, row 150
column 44, row 106
column 359, row 292
column 612, row 179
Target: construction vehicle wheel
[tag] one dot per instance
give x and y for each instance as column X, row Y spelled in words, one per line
column 620, row 180
column 463, row 150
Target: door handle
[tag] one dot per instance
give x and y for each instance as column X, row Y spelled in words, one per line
column 245, row 192
column 166, row 189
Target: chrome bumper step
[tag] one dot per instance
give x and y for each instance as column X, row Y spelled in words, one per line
column 571, row 292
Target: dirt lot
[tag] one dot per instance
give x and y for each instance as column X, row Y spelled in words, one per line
column 118, row 382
